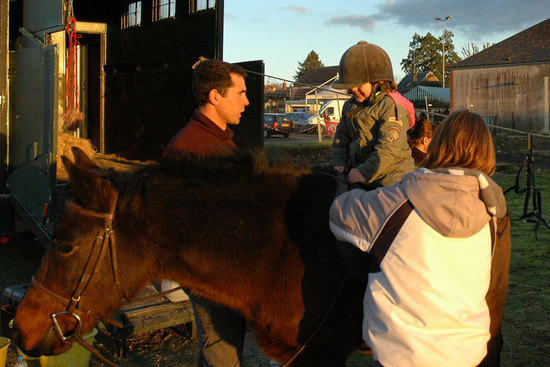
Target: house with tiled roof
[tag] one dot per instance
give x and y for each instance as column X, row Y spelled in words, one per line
column 423, row 78
column 316, row 76
column 509, row 80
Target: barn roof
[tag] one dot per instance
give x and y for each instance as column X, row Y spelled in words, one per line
column 530, row 46
column 439, row 96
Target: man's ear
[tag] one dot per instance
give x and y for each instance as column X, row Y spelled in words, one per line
column 214, row 96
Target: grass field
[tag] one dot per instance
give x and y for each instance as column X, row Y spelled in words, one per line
column 526, row 324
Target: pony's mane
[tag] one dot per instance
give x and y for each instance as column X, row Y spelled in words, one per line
column 192, row 167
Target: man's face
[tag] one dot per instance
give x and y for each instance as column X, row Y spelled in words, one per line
column 232, row 105
column 362, row 92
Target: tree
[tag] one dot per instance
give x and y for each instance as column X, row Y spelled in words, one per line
column 312, row 61
column 471, row 49
column 425, row 55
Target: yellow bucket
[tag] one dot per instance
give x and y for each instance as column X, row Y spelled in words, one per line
column 4, row 344
column 25, row 357
column 76, row 356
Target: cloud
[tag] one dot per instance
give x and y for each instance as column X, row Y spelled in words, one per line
column 359, row 21
column 472, row 18
column 298, row 9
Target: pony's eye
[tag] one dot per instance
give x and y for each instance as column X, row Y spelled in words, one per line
column 64, row 249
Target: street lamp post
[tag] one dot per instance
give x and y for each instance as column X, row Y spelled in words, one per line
column 448, row 17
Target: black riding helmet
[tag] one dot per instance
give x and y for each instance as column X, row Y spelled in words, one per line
column 363, row 63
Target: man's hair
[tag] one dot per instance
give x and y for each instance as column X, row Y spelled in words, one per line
column 462, row 140
column 213, row 74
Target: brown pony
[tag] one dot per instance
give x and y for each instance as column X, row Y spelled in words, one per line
column 235, row 230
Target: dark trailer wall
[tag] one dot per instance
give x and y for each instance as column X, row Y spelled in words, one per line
column 135, row 85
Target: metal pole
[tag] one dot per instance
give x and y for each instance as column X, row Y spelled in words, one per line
column 546, row 127
column 443, row 45
column 448, row 17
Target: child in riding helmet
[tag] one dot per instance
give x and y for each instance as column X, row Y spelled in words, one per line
column 371, row 138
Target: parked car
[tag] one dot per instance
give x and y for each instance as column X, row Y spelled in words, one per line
column 300, row 119
column 277, row 124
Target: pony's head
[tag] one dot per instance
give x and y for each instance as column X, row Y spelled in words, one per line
column 76, row 282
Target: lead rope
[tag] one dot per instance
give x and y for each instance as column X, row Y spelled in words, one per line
column 72, row 117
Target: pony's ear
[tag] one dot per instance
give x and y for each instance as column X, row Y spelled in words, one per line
column 81, row 160
column 89, row 183
column 82, row 164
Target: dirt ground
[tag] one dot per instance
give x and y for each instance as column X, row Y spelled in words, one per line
column 171, row 347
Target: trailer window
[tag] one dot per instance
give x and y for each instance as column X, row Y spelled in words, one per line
column 198, row 5
column 132, row 18
column 163, row 9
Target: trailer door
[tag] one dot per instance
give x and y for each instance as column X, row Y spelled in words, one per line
column 6, row 214
column 33, row 80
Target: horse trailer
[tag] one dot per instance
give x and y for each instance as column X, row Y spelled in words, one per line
column 114, row 72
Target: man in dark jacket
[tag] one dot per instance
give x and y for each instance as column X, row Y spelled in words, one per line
column 220, row 91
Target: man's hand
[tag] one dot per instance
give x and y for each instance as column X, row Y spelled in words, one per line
column 340, row 169
column 355, row 176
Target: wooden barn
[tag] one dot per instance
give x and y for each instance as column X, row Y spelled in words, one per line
column 510, row 80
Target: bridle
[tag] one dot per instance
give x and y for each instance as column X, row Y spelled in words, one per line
column 103, row 241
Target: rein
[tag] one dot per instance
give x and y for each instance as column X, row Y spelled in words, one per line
column 331, row 307
column 103, row 241
column 342, row 185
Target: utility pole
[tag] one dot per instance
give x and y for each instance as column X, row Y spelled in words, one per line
column 448, row 17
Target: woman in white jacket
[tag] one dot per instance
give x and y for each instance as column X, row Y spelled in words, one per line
column 436, row 249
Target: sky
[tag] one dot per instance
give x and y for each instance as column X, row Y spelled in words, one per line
column 283, row 32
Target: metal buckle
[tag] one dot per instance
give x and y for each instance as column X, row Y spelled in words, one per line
column 58, row 329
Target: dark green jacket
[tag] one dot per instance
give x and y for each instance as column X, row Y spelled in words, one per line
column 372, row 137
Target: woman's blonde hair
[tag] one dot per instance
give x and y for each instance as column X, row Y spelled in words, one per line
column 462, row 140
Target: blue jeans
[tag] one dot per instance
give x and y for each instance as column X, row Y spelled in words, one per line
column 220, row 332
